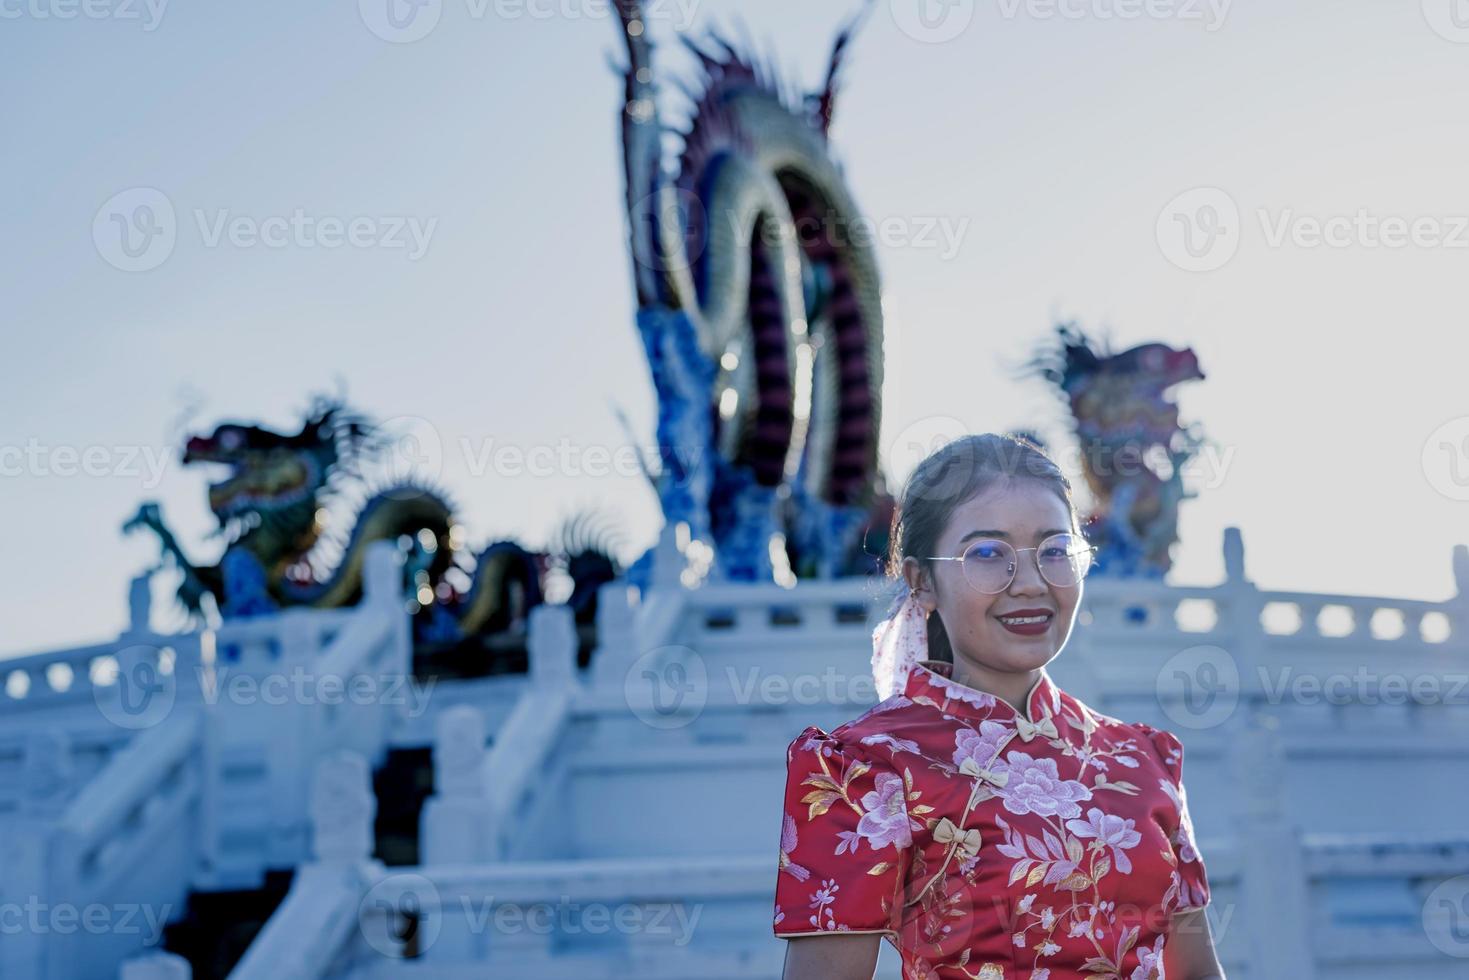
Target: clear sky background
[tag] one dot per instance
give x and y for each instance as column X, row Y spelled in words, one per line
column 1052, row 143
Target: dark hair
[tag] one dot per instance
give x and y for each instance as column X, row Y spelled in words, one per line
column 947, row 477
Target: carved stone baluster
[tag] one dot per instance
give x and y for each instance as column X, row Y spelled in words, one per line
column 47, row 773
column 156, row 966
column 1274, row 893
column 455, row 817
column 342, row 809
column 552, row 646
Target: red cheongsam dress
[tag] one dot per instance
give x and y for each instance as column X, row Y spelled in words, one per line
column 987, row 844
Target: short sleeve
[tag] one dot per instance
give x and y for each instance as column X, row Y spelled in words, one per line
column 1193, row 880
column 845, row 842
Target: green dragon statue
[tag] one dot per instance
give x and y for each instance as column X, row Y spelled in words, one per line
column 272, row 509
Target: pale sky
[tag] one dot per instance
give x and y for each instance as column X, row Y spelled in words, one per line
column 1050, row 143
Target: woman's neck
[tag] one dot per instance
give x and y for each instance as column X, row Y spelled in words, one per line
column 1014, row 689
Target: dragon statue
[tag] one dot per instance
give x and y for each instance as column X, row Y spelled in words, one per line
column 272, row 510
column 760, row 314
column 1133, row 447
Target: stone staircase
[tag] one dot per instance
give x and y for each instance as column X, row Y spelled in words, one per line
column 643, row 789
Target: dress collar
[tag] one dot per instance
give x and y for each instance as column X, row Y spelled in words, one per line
column 931, row 678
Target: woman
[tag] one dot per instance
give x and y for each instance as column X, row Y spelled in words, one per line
column 988, row 823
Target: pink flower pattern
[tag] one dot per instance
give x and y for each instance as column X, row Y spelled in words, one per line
column 988, row 849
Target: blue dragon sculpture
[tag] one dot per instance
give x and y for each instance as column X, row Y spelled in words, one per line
column 760, row 313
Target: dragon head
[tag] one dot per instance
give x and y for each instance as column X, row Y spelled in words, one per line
column 1167, row 365
column 269, row 471
column 266, row 471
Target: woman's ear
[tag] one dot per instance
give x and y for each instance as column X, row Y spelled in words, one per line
column 912, row 573
column 916, row 578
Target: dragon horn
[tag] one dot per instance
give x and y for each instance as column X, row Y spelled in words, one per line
column 627, row 429
column 839, row 49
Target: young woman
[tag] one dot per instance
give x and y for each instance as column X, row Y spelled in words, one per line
column 988, row 823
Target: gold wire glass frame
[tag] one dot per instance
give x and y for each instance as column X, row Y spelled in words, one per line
column 1081, row 565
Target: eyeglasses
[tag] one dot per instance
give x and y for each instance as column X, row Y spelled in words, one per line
column 989, row 564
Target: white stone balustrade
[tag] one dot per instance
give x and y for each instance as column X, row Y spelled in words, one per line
column 297, row 687
column 205, row 778
column 319, row 924
column 156, row 966
column 455, row 818
column 1291, row 796
column 486, row 793
column 127, row 841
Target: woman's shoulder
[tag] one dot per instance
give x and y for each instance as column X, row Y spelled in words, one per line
column 880, row 725
column 1166, row 746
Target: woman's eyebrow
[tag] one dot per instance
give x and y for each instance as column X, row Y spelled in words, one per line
column 1005, row 534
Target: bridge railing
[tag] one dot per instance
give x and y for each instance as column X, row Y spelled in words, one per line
column 207, row 782
column 99, row 879
column 90, row 694
column 483, row 831
column 73, row 680
column 284, row 692
column 1283, row 903
column 316, row 928
column 1130, row 610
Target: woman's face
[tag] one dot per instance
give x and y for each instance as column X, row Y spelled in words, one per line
column 1023, row 514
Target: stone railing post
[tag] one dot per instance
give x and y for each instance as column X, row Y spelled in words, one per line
column 37, row 865
column 455, row 818
column 459, row 819
column 325, row 918
column 1241, row 617
column 383, row 588
column 1080, row 670
column 616, row 635
column 382, row 575
column 669, row 562
column 552, row 647
column 342, row 810
column 280, row 718
column 140, row 604
column 1274, row 893
column 1234, row 555
column 47, row 773
column 1459, row 616
column 26, row 856
column 156, row 966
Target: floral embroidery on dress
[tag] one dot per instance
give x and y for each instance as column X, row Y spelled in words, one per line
column 896, row 744
column 1113, row 831
column 980, row 746
column 886, row 819
column 1035, row 786
column 980, row 699
column 987, row 842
